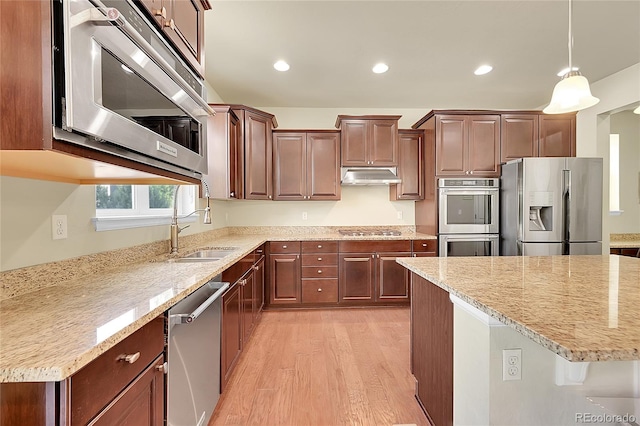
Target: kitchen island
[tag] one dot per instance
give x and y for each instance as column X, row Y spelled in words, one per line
column 562, row 312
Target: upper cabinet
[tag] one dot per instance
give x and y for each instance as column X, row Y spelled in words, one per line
column 306, row 165
column 223, row 146
column 532, row 134
column 411, row 163
column 369, row 140
column 183, row 23
column 467, row 145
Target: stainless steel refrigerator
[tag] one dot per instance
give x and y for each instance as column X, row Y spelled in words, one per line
column 551, row 206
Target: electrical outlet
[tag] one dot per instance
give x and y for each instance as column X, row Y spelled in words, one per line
column 399, row 215
column 304, row 215
column 59, row 226
column 511, row 364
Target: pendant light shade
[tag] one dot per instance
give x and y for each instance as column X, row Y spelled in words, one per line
column 572, row 93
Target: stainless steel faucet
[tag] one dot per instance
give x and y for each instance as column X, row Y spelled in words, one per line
column 175, row 229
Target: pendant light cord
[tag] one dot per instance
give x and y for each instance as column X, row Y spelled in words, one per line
column 570, row 36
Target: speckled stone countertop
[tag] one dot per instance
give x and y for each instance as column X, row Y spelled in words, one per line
column 584, row 308
column 58, row 317
column 624, row 240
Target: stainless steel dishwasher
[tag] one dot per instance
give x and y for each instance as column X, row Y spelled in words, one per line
column 193, row 355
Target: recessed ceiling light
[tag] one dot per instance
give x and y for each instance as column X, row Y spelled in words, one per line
column 281, row 66
column 566, row 70
column 380, row 68
column 483, row 69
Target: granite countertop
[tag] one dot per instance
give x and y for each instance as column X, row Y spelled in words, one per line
column 76, row 310
column 624, row 240
column 584, row 308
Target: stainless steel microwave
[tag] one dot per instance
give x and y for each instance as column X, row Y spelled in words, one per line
column 120, row 88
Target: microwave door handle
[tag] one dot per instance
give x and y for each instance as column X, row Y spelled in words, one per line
column 128, row 29
column 98, row 16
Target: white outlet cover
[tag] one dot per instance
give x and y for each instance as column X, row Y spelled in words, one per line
column 511, row 364
column 59, row 226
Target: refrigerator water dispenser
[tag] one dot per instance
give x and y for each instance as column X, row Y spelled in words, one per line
column 540, row 218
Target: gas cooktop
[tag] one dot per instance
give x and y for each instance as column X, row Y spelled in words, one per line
column 368, row 232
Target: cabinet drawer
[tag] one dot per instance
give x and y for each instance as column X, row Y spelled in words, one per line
column 284, row 247
column 424, row 245
column 369, row 246
column 319, row 246
column 321, row 290
column 320, row 271
column 93, row 387
column 320, row 259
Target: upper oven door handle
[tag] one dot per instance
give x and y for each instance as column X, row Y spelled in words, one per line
column 468, row 191
column 119, row 22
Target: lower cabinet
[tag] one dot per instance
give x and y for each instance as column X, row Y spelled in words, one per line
column 631, row 251
column 284, row 273
column 319, row 272
column 241, row 308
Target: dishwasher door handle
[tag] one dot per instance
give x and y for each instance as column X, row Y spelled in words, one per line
column 189, row 318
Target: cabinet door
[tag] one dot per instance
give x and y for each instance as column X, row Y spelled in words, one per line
column 235, row 179
column 392, row 284
column 231, row 339
column 141, row 403
column 284, row 279
column 519, row 137
column 354, row 142
column 179, row 131
column 247, row 295
column 258, row 285
column 323, row 166
column 557, row 135
column 184, row 25
column 357, row 273
column 410, row 166
column 289, row 166
column 483, row 152
column 451, row 145
column 383, row 145
column 257, row 161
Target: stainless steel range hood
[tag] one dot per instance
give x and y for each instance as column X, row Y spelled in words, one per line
column 369, row 176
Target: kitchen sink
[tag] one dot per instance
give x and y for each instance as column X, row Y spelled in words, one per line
column 207, row 255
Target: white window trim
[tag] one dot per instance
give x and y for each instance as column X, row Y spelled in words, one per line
column 119, row 219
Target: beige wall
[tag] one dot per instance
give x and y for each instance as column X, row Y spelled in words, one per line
column 627, row 125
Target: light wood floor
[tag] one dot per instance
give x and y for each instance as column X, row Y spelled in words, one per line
column 324, row 367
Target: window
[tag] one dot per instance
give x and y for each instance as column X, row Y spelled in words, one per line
column 131, row 206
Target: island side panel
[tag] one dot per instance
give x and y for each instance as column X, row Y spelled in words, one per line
column 432, row 349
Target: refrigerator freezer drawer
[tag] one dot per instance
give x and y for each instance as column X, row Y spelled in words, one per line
column 539, row 249
column 583, row 248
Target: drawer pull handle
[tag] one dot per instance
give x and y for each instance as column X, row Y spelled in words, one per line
column 284, row 247
column 319, row 271
column 320, row 290
column 424, row 244
column 131, row 358
column 319, row 245
column 319, row 259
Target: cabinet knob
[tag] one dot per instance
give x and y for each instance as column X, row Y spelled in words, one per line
column 270, row 197
column 284, row 246
column 319, row 271
column 373, row 256
column 424, row 244
column 259, row 251
column 130, row 358
column 319, row 259
column 319, row 245
column 319, row 290
column 162, row 367
column 232, row 194
column 171, row 24
column 160, row 12
column 471, row 172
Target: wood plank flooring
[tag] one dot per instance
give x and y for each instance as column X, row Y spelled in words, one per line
column 324, row 367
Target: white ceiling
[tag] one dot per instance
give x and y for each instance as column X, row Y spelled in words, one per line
column 432, row 48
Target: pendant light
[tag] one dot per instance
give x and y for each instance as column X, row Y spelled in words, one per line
column 572, row 93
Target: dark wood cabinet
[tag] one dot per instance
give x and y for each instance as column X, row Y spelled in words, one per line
column 319, row 273
column 182, row 21
column 369, row 140
column 223, row 140
column 284, row 273
column 231, row 332
column 306, row 165
column 557, row 135
column 255, row 152
column 467, row 145
column 628, row 251
column 369, row 273
column 432, row 349
column 533, row 134
column 411, row 166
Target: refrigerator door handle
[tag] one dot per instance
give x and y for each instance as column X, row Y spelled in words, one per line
column 566, row 214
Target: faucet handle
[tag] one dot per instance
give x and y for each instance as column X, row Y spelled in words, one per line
column 183, row 227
